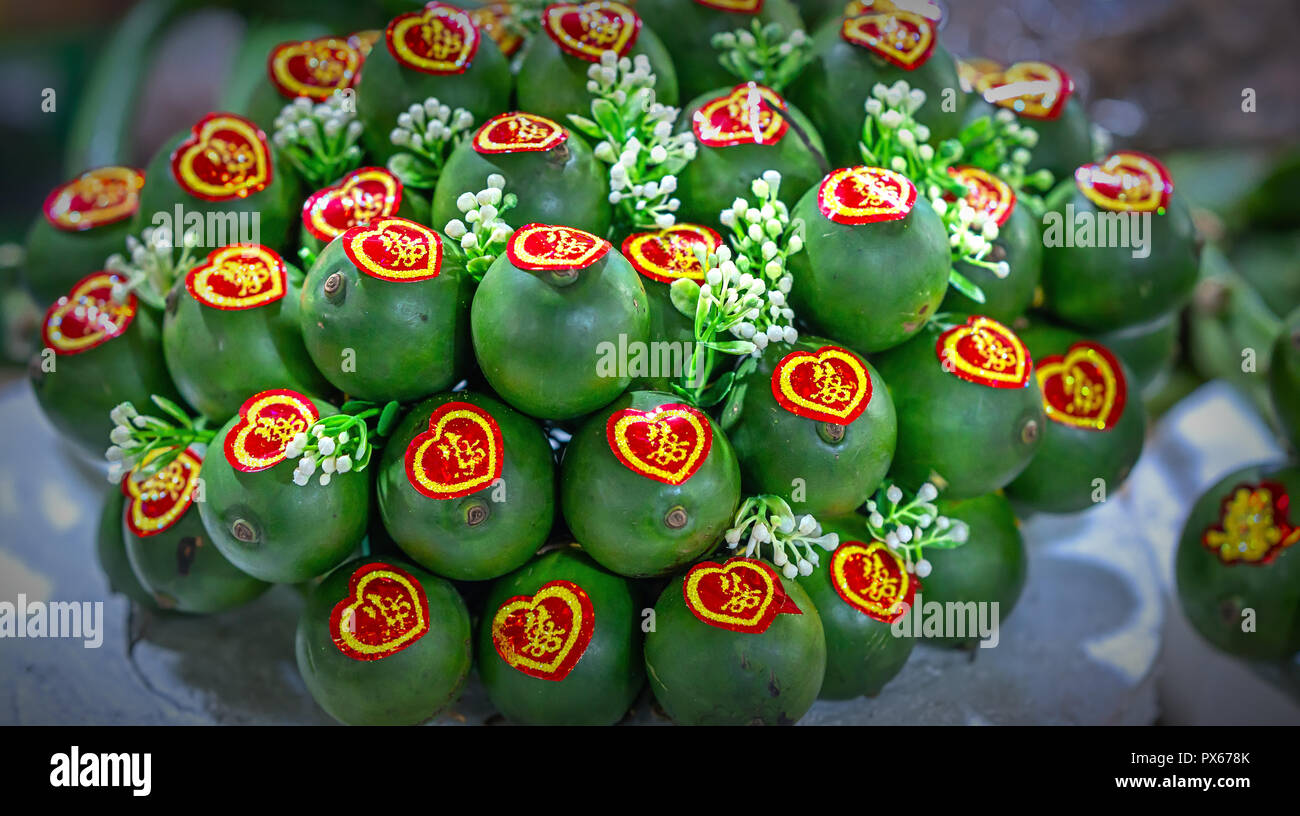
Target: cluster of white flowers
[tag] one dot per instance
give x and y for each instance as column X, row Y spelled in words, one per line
column 145, row 443
column 482, row 233
column 315, row 448
column 431, row 129
column 769, row 523
column 764, row 238
column 319, row 140
column 735, row 299
column 764, row 53
column 151, row 266
column 909, row 528
column 971, row 233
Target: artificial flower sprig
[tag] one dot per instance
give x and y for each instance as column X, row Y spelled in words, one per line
column 320, row 140
column 765, row 54
column 764, row 237
column 425, row 134
column 769, row 522
column 908, row 527
column 339, row 443
column 137, row 437
column 1000, row 144
column 635, row 137
column 482, row 235
column 151, row 265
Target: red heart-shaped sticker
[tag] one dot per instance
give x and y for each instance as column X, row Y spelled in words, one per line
column 544, row 635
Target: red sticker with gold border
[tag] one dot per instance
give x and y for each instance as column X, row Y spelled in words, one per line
column 494, row 20
column 460, row 454
column 1254, row 526
column 668, row 255
column 1126, row 181
column 225, row 157
column 750, row 114
column 154, row 504
column 518, row 133
column 865, row 195
column 986, row 193
column 873, row 580
column 587, row 30
column 395, row 249
column 743, row 595
column 667, row 444
column 438, row 39
column 738, row 6
column 985, row 352
column 1038, row 90
column 831, row 385
column 539, row 247
column 314, row 69
column 385, row 611
column 242, row 276
column 268, row 422
column 358, row 199
column 97, row 197
column 1083, row 388
column 545, row 634
column 87, row 316
column 901, row 38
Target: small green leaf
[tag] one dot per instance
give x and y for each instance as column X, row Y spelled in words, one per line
column 735, row 403
column 585, row 125
column 173, row 410
column 307, row 257
column 717, row 392
column 684, row 294
column 413, row 171
column 607, row 117
column 355, row 406
column 478, row 267
column 731, row 346
column 964, row 285
column 387, row 418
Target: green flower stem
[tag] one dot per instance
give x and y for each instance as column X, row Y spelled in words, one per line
column 319, row 141
column 908, row 523
column 764, row 54
column 771, row 526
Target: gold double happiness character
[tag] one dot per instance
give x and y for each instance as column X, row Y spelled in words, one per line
column 997, row 355
column 543, row 634
column 831, row 386
column 443, row 40
column 396, row 613
column 669, row 447
column 467, row 455
column 232, row 158
column 248, row 276
column 740, row 596
column 882, row 585
column 1086, row 395
column 403, row 250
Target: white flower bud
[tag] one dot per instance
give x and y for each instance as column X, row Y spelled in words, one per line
column 466, row 202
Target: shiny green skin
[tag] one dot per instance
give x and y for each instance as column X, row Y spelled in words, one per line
column 57, row 260
column 538, row 335
column 1284, row 378
column 1104, row 288
column 777, row 448
column 1061, row 476
column 862, row 653
column 687, row 29
column 719, row 175
column 408, row 339
column 1213, row 594
column 277, row 207
column 667, row 325
column 407, row 687
column 553, row 83
column 705, row 675
column 976, row 438
column 220, row 357
column 299, row 532
column 77, row 396
column 1064, row 143
column 387, row 89
column 414, row 207
column 817, row 12
column 838, row 81
column 1020, row 244
column 436, row 534
column 110, row 551
column 618, row 515
column 604, row 683
column 870, row 286
column 181, row 569
column 565, row 185
column 1148, row 349
column 990, row 567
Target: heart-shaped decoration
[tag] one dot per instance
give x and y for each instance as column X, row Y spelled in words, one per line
column 865, row 195
column 587, row 30
column 1038, row 90
column 87, row 316
column 97, row 197
column 394, row 249
column 267, row 423
column 984, row 351
column 438, row 39
column 830, row 386
column 314, row 68
column 495, row 20
column 518, row 133
column 1253, row 527
column 743, row 595
column 241, row 276
column 225, row 157
column 667, row 444
column 898, row 37
column 739, row 6
column 460, row 454
column 386, row 611
column 750, row 114
column 156, row 503
column 357, row 200
column 873, row 580
column 986, row 193
column 539, row 247
column 669, row 254
column 926, row 8
column 1126, row 181
column 1084, row 388
column 546, row 634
